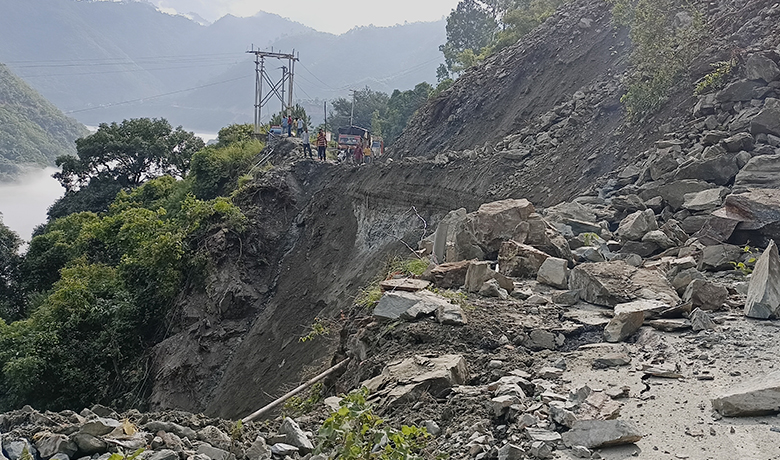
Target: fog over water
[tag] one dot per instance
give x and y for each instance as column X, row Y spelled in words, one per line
column 24, row 202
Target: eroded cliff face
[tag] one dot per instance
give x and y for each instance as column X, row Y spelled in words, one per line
column 541, row 120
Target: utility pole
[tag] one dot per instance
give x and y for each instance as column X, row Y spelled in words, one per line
column 276, row 88
column 325, row 110
column 352, row 113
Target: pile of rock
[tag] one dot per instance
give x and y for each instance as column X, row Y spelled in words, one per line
column 100, row 433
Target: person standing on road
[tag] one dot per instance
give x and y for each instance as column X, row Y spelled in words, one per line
column 322, row 142
column 289, row 125
column 306, row 145
column 285, row 126
column 299, row 132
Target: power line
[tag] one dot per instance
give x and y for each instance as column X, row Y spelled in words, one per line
column 114, row 104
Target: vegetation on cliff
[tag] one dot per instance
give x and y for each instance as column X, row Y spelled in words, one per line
column 93, row 290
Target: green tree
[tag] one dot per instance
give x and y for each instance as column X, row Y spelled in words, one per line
column 470, row 26
column 400, row 108
column 121, row 156
column 296, row 111
column 235, row 133
column 10, row 294
column 367, row 102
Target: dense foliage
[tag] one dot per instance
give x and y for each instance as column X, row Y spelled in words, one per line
column 32, row 131
column 9, row 264
column 384, row 116
column 355, row 432
column 121, row 156
column 95, row 288
column 666, row 35
column 478, row 28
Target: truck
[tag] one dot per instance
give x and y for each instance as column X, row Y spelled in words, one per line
column 349, row 137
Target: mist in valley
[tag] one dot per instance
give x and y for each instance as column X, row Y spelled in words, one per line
column 23, row 203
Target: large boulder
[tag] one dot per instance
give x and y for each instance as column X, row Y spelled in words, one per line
column 483, row 231
column 636, row 225
column 449, row 275
column 705, row 200
column 767, row 121
column 763, row 297
column 673, row 192
column 601, row 433
column 719, row 170
column 623, row 325
column 520, row 260
column 760, row 67
column 295, row 436
column 406, row 305
column 554, row 272
column 705, row 295
column 407, row 380
column 738, row 91
column 762, row 171
column 757, row 210
column 719, row 257
column 757, row 396
column 615, row 282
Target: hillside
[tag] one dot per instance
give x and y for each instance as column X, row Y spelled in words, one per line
column 118, row 60
column 33, row 132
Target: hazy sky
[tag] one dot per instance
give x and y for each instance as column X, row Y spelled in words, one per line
column 335, row 16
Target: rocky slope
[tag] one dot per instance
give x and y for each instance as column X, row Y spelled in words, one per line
column 614, row 307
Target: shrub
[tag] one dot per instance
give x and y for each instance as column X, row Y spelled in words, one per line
column 354, row 433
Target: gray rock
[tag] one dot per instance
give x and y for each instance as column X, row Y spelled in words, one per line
column 166, row 454
column 493, row 223
column 477, row 273
column 491, row 288
column 705, row 200
column 540, row 449
column 510, row 452
column 650, row 308
column 705, row 295
column 636, row 225
column 432, row 428
column 757, row 396
column 562, row 416
column 175, row 428
column 612, row 360
column 89, row 444
column 719, row 170
column 282, row 450
column 50, row 444
column 755, row 210
column 501, row 404
column 449, row 275
column 763, row 297
column 539, row 339
column 767, row 121
column 581, row 452
column 211, row 452
column 623, row 325
column 682, row 279
column 393, row 304
column 701, row 321
column 601, row 433
column 258, row 450
column 566, row 298
column 15, row 449
column 520, row 260
column 719, row 257
column 713, row 137
column 100, row 426
column 738, row 91
column 738, row 142
column 658, row 238
column 611, row 283
column 762, row 171
column 215, row 437
column 760, row 67
column 295, row 436
column 103, row 411
column 554, row 272
column 450, row 314
column 672, row 192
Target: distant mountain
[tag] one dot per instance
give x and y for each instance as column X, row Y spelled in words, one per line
column 107, row 61
column 32, row 130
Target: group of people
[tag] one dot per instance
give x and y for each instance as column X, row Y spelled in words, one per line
column 360, row 154
column 288, row 123
column 322, row 143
